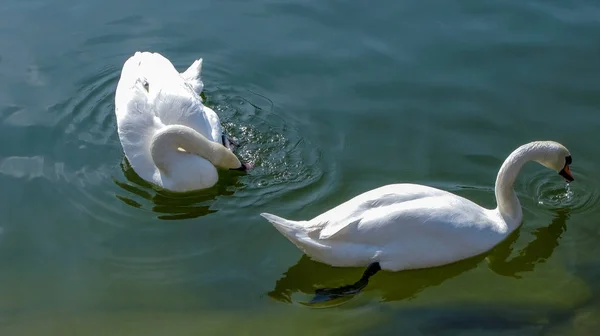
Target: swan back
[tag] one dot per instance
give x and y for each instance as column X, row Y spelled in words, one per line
column 172, row 98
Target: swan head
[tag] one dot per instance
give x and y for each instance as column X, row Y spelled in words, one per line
column 245, row 166
column 226, row 159
column 556, row 157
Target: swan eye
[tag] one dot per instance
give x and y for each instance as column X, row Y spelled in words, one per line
column 568, row 160
column 146, row 86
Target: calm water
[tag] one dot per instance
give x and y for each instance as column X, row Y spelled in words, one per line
column 328, row 99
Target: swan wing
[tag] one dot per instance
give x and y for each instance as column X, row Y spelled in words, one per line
column 337, row 220
column 136, row 126
column 418, row 233
column 215, row 126
column 192, row 76
column 176, row 108
column 176, row 99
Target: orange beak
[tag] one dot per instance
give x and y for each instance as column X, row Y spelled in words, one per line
column 566, row 173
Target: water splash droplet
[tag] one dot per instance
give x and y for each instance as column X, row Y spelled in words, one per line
column 568, row 193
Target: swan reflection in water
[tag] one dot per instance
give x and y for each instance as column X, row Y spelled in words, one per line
column 307, row 275
column 174, row 205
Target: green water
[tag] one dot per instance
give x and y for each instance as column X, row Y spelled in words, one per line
column 329, row 99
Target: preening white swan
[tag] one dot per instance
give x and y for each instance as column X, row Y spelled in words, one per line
column 169, row 137
column 409, row 226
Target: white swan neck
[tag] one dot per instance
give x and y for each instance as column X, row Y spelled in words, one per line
column 508, row 202
column 167, row 141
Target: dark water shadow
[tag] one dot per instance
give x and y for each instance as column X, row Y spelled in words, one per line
column 536, row 252
column 307, row 275
column 174, row 205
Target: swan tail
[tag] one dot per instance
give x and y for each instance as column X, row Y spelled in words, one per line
column 295, row 231
column 298, row 233
column 285, row 226
column 192, row 76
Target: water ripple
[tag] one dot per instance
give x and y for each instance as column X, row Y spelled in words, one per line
column 283, row 160
column 89, row 113
column 554, row 193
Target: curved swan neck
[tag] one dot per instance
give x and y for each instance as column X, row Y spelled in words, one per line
column 167, row 141
column 508, row 202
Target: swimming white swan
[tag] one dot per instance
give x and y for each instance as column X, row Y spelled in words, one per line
column 409, row 226
column 169, row 137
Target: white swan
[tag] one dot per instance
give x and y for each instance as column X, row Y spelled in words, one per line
column 409, row 226
column 169, row 137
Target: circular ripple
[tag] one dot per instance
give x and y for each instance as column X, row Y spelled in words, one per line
column 86, row 147
column 552, row 192
column 284, row 161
